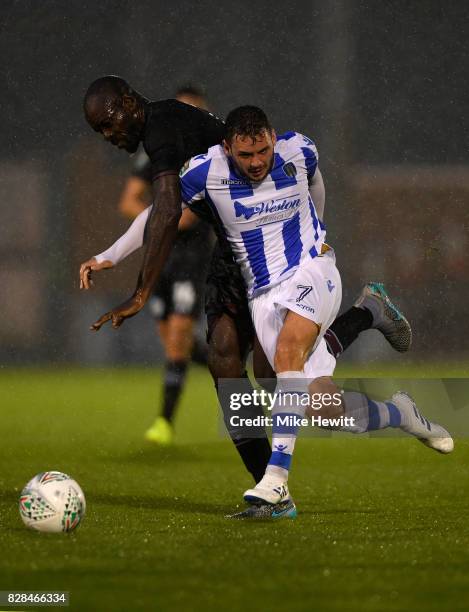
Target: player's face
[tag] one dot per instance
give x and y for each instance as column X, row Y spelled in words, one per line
column 118, row 121
column 252, row 158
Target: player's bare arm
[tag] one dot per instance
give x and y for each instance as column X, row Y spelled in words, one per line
column 162, row 228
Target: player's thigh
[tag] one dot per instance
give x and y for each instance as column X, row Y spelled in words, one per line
column 268, row 321
column 263, row 371
column 224, row 355
column 230, row 330
column 295, row 342
column 314, row 291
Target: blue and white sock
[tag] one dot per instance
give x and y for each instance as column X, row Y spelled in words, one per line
column 291, row 388
column 369, row 415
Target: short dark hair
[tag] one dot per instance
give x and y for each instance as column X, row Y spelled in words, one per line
column 189, row 89
column 109, row 86
column 246, row 121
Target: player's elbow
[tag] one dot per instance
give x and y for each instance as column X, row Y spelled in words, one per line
column 166, row 220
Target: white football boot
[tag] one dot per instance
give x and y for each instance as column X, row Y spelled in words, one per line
column 412, row 422
column 269, row 490
column 387, row 318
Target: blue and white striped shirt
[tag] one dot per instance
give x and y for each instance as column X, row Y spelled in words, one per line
column 271, row 225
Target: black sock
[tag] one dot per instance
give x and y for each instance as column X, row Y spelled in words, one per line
column 346, row 328
column 255, row 451
column 174, row 377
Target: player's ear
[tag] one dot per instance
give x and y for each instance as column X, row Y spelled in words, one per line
column 226, row 147
column 274, row 136
column 129, row 103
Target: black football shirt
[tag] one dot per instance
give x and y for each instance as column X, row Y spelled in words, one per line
column 174, row 132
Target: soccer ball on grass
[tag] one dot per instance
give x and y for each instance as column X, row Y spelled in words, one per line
column 52, row 501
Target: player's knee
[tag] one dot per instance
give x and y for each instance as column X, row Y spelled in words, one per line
column 326, row 406
column 326, row 400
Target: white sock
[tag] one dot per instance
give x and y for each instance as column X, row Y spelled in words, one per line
column 292, row 388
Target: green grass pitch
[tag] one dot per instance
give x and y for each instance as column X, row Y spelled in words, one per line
column 382, row 523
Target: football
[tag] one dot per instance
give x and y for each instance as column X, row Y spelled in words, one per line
column 53, row 502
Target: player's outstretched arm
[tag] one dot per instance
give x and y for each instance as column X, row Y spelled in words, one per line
column 125, row 245
column 162, row 227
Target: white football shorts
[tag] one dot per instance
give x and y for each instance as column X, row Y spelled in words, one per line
column 315, row 292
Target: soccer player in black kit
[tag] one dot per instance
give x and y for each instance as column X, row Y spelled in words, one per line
column 171, row 132
column 177, row 300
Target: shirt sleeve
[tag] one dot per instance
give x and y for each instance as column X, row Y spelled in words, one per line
column 142, row 167
column 193, row 178
column 129, row 242
column 162, row 145
column 310, row 153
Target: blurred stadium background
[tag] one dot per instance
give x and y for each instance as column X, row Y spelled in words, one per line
column 379, row 86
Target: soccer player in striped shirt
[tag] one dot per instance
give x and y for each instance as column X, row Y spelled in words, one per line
column 258, row 187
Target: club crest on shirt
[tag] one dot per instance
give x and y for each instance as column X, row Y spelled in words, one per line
column 290, row 169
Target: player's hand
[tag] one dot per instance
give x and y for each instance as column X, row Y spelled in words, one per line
column 90, row 266
column 125, row 311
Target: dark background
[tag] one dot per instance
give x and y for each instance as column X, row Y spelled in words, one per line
column 380, row 87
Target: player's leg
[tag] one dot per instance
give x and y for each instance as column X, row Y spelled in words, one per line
column 353, row 412
column 295, row 342
column 230, row 336
column 178, row 342
column 227, row 360
column 373, row 309
column 290, row 320
column 363, row 414
column 175, row 305
column 263, row 371
column 162, row 329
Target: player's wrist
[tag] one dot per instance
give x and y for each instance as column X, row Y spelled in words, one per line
column 142, row 295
